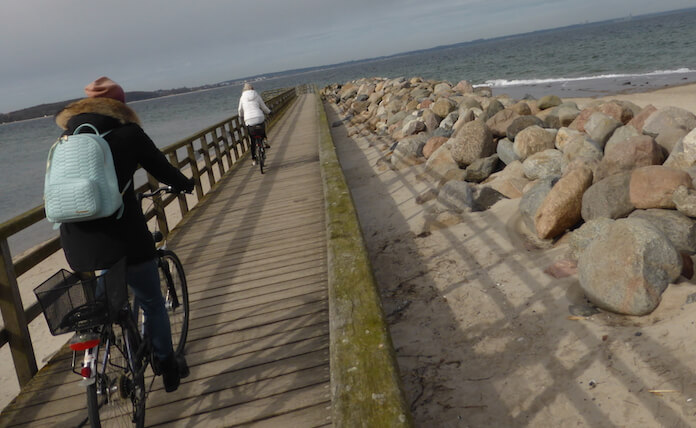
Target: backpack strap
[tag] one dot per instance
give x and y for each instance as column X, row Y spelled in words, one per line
column 92, row 127
column 123, row 206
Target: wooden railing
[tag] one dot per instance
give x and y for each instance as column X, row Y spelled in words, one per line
column 209, row 153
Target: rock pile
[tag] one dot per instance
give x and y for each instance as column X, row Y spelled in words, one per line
column 613, row 180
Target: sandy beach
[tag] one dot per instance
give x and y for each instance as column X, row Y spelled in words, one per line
column 485, row 338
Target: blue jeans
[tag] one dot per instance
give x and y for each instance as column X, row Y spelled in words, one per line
column 144, row 280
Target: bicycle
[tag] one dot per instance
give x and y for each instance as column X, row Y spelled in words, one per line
column 258, row 144
column 110, row 331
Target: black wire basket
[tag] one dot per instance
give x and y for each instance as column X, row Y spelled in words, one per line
column 71, row 303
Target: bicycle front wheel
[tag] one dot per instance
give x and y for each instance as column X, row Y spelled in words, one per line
column 117, row 397
column 175, row 292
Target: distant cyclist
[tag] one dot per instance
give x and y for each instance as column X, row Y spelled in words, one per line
column 252, row 109
column 98, row 244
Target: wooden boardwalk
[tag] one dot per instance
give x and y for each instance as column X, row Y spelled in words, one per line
column 255, row 258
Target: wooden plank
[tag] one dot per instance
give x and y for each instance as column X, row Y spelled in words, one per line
column 315, row 396
column 204, row 298
column 228, row 400
column 313, row 416
column 298, row 329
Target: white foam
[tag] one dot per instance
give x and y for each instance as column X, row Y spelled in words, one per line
column 499, row 83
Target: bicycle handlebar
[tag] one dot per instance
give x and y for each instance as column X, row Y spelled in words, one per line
column 164, row 189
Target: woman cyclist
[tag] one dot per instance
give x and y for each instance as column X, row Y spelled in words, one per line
column 251, row 109
column 99, row 244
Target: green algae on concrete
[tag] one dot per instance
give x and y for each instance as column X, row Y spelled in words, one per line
column 365, row 386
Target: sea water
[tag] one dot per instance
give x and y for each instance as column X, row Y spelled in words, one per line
column 637, row 53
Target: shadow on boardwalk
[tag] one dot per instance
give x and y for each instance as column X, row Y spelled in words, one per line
column 255, row 259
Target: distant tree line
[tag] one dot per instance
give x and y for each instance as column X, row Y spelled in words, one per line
column 52, row 108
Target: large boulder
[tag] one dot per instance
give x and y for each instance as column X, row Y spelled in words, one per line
column 532, row 140
column 433, row 144
column 670, row 139
column 443, row 106
column 638, row 120
column 608, row 198
column 583, row 236
column 543, row 164
column 532, row 200
column 627, row 269
column 499, row 123
column 685, row 200
column 669, row 117
column 581, row 149
column 448, row 122
column 522, row 108
column 620, row 134
column 439, row 164
column 629, row 154
column 463, row 87
column 561, row 116
column 564, row 135
column 471, row 142
column 408, row 152
column 457, row 196
column 520, row 123
column 680, row 229
column 493, row 108
column 506, row 151
column 653, row 186
column 431, row 120
column 561, row 208
column 510, row 182
column 600, row 127
column 548, row 101
column 481, row 169
column 620, row 111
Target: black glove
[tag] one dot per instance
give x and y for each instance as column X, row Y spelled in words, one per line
column 187, row 188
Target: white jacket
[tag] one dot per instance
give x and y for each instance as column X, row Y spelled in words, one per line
column 252, row 108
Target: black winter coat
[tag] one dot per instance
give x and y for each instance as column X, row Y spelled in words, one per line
column 98, row 244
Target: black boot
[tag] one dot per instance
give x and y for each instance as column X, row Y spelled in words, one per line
column 183, row 367
column 170, row 373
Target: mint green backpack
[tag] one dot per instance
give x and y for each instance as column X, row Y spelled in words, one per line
column 80, row 182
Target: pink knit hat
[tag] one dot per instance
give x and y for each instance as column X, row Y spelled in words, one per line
column 105, row 87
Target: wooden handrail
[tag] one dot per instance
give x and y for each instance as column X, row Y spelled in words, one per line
column 219, row 146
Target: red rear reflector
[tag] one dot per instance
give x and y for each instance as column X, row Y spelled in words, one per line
column 86, row 372
column 81, row 346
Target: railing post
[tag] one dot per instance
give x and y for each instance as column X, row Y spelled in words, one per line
column 218, row 154
column 15, row 319
column 226, row 142
column 158, row 207
column 183, row 204
column 206, row 157
column 194, row 170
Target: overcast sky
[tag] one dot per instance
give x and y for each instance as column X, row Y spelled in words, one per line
column 50, row 49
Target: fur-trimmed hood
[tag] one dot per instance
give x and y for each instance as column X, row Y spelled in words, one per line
column 104, row 106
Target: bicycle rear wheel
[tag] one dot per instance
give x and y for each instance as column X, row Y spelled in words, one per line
column 260, row 153
column 117, row 397
column 175, row 292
